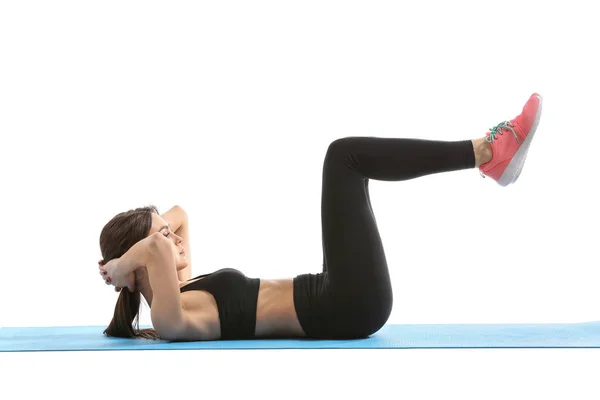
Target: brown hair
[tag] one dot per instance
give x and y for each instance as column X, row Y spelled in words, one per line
column 118, row 235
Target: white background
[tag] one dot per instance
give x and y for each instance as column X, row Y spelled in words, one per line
column 227, row 108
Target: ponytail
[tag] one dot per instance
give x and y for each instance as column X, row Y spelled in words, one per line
column 117, row 237
column 126, row 311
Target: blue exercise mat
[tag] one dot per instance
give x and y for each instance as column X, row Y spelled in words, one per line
column 557, row 335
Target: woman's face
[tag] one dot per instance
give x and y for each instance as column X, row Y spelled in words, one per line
column 160, row 225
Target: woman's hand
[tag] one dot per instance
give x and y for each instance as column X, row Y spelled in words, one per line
column 121, row 271
column 116, row 275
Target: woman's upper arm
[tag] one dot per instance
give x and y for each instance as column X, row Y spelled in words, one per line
column 170, row 320
column 166, row 310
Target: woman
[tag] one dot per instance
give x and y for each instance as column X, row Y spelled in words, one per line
column 350, row 298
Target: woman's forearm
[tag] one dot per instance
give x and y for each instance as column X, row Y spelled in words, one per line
column 178, row 219
column 136, row 257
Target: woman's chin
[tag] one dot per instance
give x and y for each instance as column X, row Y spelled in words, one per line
column 182, row 263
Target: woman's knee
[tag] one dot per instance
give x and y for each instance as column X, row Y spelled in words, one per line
column 343, row 145
column 342, row 151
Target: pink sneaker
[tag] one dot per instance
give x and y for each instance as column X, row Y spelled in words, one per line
column 509, row 151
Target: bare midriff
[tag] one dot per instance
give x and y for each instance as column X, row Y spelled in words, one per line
column 275, row 312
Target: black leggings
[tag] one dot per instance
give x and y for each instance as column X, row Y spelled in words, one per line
column 352, row 296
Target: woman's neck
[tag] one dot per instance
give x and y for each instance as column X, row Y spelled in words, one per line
column 142, row 284
column 147, row 293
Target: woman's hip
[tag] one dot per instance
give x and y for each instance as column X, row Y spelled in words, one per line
column 327, row 311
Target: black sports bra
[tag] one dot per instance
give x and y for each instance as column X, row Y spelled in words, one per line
column 236, row 296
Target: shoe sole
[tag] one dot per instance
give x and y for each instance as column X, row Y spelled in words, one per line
column 514, row 168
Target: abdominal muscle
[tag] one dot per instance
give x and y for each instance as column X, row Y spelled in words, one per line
column 275, row 312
